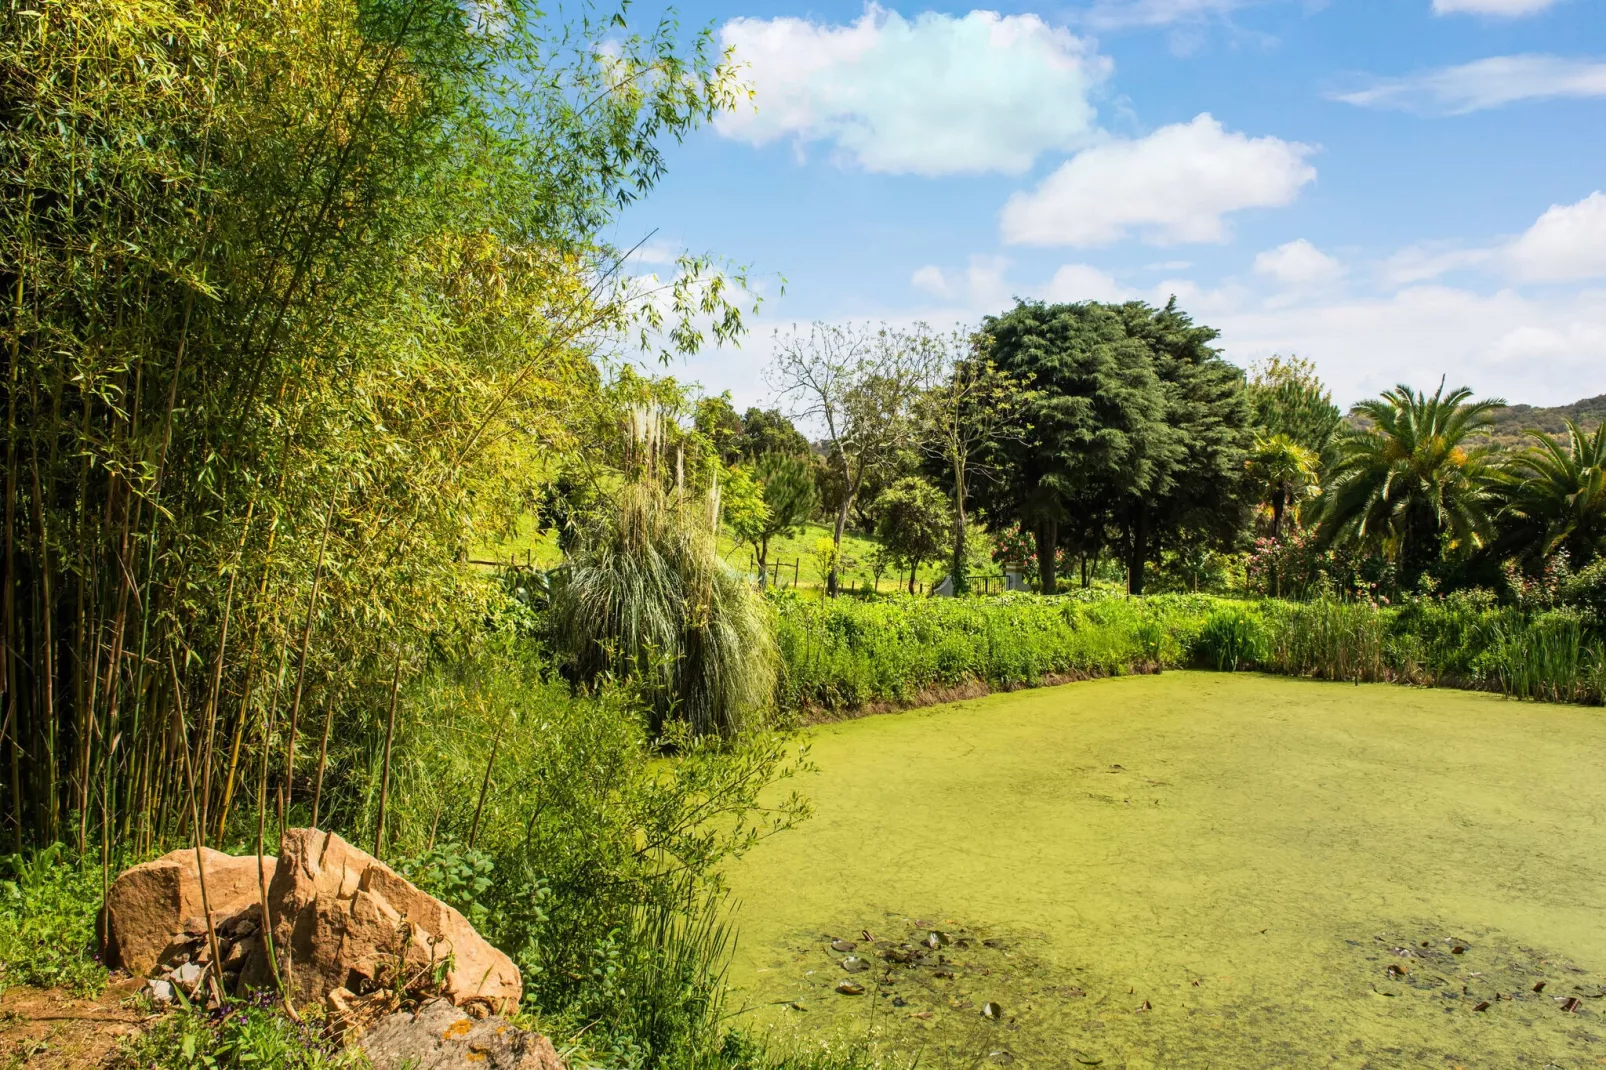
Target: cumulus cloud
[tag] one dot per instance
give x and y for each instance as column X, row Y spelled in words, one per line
column 1421, row 263
column 1120, row 14
column 934, row 95
column 1083, row 282
column 1483, row 84
column 1298, row 263
column 981, row 285
column 1176, row 185
column 1537, row 350
column 1507, row 8
column 1567, row 242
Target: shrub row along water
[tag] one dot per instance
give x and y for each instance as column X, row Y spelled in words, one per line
column 844, row 654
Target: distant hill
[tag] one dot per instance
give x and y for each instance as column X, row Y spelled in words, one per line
column 1511, row 421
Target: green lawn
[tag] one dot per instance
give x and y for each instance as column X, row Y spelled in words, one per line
column 796, row 555
column 1196, row 870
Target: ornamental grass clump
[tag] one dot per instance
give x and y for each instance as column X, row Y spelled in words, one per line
column 647, row 600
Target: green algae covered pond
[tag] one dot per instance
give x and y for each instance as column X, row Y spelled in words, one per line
column 1193, row 870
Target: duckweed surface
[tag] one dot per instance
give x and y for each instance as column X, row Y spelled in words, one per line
column 1194, row 870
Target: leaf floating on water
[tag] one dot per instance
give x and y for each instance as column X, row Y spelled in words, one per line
column 1571, row 1004
column 1482, row 1006
column 922, row 1015
column 935, row 939
column 1540, row 987
column 843, row 945
column 1459, row 949
column 1086, row 1058
column 996, row 945
column 1002, row 1058
column 867, row 937
column 991, row 1010
column 848, row 988
column 853, row 964
column 1396, row 970
column 1146, row 1006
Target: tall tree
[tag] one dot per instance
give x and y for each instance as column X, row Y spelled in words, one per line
column 716, row 420
column 970, row 408
column 1412, row 483
column 767, row 431
column 1194, row 494
column 786, row 491
column 857, row 384
column 1284, row 471
column 1097, row 417
column 1290, row 399
column 913, row 523
column 1556, row 495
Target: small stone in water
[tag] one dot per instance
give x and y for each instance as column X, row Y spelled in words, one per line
column 853, row 964
column 848, row 988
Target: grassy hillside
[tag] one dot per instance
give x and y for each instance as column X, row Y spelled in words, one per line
column 1513, row 420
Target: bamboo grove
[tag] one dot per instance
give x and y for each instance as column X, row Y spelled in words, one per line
column 296, row 295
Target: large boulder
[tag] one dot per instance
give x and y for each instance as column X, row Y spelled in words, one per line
column 154, row 912
column 438, row 1036
column 342, row 919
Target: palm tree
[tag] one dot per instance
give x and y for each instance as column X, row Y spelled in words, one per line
column 1286, row 472
column 1410, row 483
column 1557, row 494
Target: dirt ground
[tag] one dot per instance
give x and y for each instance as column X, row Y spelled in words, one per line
column 1194, row 870
column 49, row 1029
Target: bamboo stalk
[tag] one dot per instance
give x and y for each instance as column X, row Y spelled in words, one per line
column 485, row 785
column 301, row 666
column 384, row 779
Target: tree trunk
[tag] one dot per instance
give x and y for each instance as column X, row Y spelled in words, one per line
column 958, row 573
column 832, row 581
column 1048, row 537
column 913, row 568
column 1279, row 501
column 763, row 549
column 1140, row 549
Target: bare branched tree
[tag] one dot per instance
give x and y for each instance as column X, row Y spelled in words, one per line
column 856, row 386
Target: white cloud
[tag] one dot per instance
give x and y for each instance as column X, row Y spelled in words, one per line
column 1567, row 242
column 1298, row 263
column 1534, row 350
column 1484, row 83
column 935, row 95
column 1421, row 263
column 1173, row 186
column 931, row 280
column 1507, row 8
column 1083, row 282
column 982, row 285
column 1119, row 14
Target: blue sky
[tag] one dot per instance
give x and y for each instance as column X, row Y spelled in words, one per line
column 1397, row 190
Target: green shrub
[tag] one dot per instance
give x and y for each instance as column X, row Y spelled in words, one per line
column 1586, row 590
column 48, row 904
column 242, row 1036
column 1232, row 638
